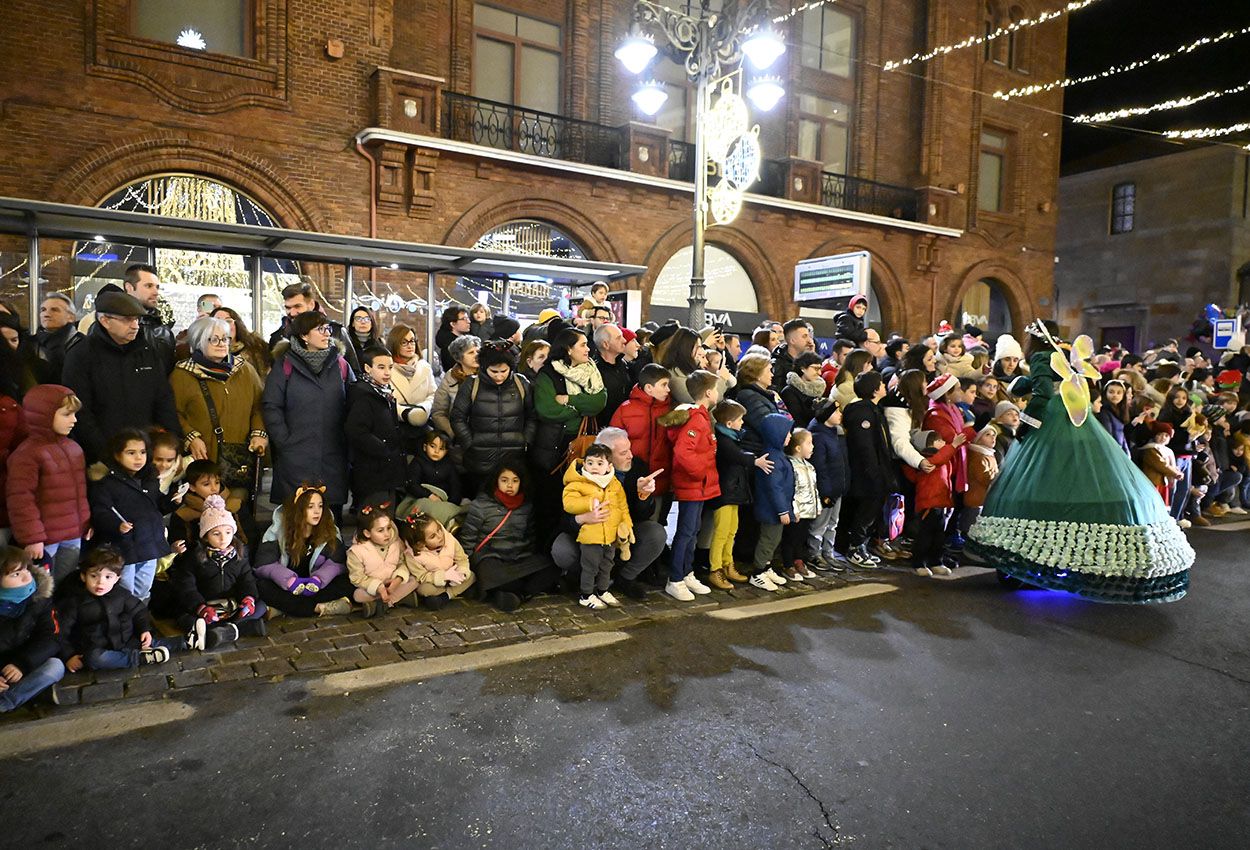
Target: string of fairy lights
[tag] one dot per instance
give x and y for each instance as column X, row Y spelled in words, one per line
column 1161, row 106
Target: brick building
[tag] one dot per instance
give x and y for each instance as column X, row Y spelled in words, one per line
column 403, row 119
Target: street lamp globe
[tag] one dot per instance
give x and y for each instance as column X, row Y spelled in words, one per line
column 765, row 92
column 650, row 97
column 764, row 48
column 636, row 52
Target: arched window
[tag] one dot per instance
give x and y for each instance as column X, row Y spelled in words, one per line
column 185, row 274
column 527, row 296
column 727, row 284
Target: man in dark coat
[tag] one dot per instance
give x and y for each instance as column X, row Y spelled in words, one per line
column 144, row 283
column 57, row 328
column 119, row 377
column 873, row 468
column 797, row 340
column 298, row 298
column 618, row 380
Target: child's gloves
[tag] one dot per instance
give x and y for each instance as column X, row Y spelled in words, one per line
column 247, row 608
column 207, row 613
column 295, row 585
column 312, row 586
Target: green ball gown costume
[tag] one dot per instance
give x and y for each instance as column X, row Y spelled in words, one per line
column 1071, row 512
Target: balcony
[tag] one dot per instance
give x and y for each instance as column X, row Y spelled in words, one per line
column 508, row 127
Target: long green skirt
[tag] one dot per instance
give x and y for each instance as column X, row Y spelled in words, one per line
column 1071, row 512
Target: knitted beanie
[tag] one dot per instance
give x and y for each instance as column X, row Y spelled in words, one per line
column 215, row 515
column 1003, row 407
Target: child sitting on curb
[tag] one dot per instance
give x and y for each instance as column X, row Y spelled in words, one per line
column 377, row 562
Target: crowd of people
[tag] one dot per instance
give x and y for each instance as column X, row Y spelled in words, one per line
column 506, row 463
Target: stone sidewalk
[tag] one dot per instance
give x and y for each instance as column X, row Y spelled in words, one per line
column 331, row 644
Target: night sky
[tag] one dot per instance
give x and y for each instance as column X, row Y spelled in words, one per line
column 1114, row 31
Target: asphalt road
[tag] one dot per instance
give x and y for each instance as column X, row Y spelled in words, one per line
column 944, row 715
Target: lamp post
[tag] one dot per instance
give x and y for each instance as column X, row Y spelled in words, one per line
column 710, row 46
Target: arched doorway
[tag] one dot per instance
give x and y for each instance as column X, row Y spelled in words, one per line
column 985, row 305
column 526, row 296
column 731, row 295
column 187, row 274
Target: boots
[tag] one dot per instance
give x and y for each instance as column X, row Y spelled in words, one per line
column 717, row 579
column 731, row 573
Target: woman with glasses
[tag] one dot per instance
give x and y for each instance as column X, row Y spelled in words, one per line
column 412, row 378
column 217, row 396
column 305, row 407
column 245, row 344
column 363, row 330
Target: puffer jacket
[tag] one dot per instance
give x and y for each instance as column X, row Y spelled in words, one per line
column 849, row 326
column 375, row 440
column 982, row 470
column 733, row 466
column 874, row 472
column 139, row 499
column 806, row 495
column 112, row 621
column 304, row 413
column 120, row 387
column 46, row 487
column 639, row 417
column 759, row 403
column 326, row 562
column 195, row 579
column 30, row 637
column 774, row 493
column 694, row 454
column 961, row 366
column 12, row 431
column 947, row 420
column 369, row 567
column 492, row 421
column 430, row 566
column 443, row 475
column 580, row 491
column 512, row 541
column 833, row 471
column 933, row 489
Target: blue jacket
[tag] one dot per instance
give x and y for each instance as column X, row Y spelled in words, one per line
column 833, row 470
column 139, row 499
column 774, row 494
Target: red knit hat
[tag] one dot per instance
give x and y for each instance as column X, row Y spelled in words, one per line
column 628, row 334
column 940, row 386
column 1157, row 427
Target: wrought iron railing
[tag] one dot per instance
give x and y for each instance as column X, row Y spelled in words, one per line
column 502, row 125
column 854, row 193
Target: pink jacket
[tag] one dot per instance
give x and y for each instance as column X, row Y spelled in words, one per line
column 370, row 567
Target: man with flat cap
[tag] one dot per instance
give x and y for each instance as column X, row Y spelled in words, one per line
column 119, row 377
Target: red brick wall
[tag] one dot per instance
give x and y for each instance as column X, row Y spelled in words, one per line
column 75, row 124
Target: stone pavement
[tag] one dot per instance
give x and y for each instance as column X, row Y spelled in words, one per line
column 331, row 644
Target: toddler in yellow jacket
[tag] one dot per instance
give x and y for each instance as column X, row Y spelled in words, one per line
column 592, row 487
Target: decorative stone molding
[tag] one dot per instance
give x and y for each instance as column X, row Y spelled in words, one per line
column 192, row 80
column 407, row 102
column 645, row 148
column 802, row 179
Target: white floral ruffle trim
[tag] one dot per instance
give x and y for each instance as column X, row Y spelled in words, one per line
column 1139, row 551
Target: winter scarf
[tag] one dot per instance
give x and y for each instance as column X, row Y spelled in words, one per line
column 726, row 431
column 220, row 557
column 581, row 379
column 211, row 369
column 407, row 369
column 815, row 389
column 316, row 360
column 13, row 599
column 387, row 392
column 602, row 480
column 509, row 502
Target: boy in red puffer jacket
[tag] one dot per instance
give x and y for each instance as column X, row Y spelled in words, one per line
column 934, row 497
column 639, row 416
column 47, row 481
column 695, row 479
column 12, row 432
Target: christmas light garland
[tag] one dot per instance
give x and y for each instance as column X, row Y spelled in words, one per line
column 974, row 40
column 1207, row 132
column 1174, row 103
column 1114, row 70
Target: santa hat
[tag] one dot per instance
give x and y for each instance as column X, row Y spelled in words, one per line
column 1006, row 346
column 215, row 515
column 1229, row 379
column 940, row 386
column 944, row 327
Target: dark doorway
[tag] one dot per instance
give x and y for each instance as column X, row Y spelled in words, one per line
column 1125, row 335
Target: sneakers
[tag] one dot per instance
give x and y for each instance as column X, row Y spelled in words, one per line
column 632, row 588
column 217, row 635
column 774, row 577
column 335, row 608
column 608, row 599
column 717, row 579
column 594, row 603
column 834, row 562
column 1184, row 523
column 886, row 549
column 155, row 655
column 924, row 571
column 731, row 573
column 1237, row 510
column 763, row 582
column 195, row 635
column 693, row 583
column 679, row 591
column 940, row 570
column 804, row 570
column 1217, row 510
column 860, row 557
column 792, row 574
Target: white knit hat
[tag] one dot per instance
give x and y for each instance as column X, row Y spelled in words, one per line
column 1006, row 346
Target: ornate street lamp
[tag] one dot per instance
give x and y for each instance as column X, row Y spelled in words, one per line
column 711, row 46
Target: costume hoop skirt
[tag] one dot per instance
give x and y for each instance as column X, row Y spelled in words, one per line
column 1070, row 511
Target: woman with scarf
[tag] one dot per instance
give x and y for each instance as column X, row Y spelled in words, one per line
column 246, row 344
column 304, row 407
column 363, row 330
column 412, row 377
column 568, row 395
column 217, row 395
